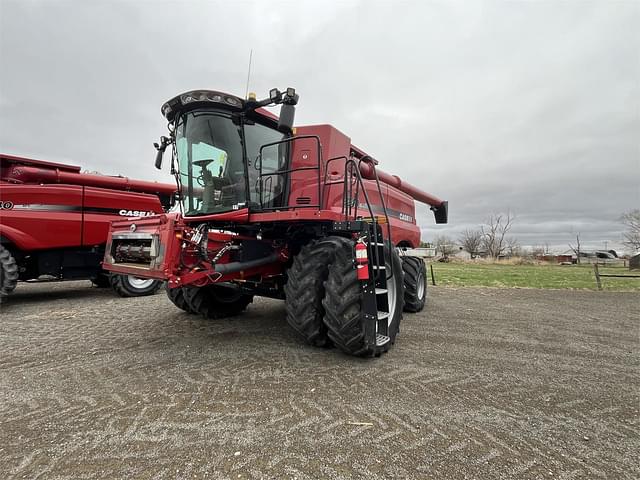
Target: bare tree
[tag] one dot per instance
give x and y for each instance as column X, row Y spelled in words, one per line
column 512, row 247
column 494, row 232
column 471, row 241
column 576, row 249
column 632, row 236
column 445, row 246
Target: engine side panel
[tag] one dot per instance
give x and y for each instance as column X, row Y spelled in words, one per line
column 36, row 217
column 102, row 206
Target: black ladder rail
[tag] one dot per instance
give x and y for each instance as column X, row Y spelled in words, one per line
column 373, row 326
column 350, row 168
column 376, row 304
column 384, row 208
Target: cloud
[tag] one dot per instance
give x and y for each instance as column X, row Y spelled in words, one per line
column 496, row 106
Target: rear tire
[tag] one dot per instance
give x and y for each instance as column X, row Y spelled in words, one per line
column 176, row 296
column 8, row 273
column 131, row 286
column 415, row 284
column 304, row 290
column 216, row 301
column 343, row 304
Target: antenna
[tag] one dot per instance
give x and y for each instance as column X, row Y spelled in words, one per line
column 248, row 73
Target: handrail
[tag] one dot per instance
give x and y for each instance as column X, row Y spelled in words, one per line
column 351, row 167
column 382, row 202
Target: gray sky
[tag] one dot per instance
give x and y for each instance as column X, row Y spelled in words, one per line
column 532, row 107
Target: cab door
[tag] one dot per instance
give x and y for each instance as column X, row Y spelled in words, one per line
column 269, row 191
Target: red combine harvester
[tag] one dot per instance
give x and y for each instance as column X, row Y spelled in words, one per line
column 298, row 214
column 54, row 222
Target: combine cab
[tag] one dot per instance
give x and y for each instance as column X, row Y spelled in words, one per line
column 298, row 214
column 55, row 220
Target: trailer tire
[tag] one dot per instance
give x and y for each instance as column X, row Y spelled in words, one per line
column 8, row 273
column 176, row 296
column 131, row 286
column 304, row 290
column 415, row 284
column 343, row 304
column 216, row 301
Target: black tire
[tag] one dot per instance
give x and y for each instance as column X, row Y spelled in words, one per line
column 343, row 304
column 8, row 273
column 415, row 284
column 304, row 290
column 176, row 295
column 216, row 301
column 102, row 280
column 127, row 286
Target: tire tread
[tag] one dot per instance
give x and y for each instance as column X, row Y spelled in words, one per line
column 412, row 268
column 10, row 272
column 304, row 290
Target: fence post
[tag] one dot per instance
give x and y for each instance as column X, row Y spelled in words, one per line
column 597, row 273
column 433, row 278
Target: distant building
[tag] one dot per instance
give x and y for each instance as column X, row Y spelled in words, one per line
column 551, row 258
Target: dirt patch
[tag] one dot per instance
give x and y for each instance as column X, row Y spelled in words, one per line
column 485, row 383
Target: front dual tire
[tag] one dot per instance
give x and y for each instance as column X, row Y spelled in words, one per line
column 344, row 299
column 305, row 289
column 324, row 298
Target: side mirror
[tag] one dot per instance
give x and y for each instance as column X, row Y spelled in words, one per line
column 164, row 141
column 288, row 110
column 159, row 157
column 287, row 114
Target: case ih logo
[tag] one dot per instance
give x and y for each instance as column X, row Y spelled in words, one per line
column 135, row 213
column 6, row 205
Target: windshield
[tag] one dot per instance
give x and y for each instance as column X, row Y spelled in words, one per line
column 211, row 168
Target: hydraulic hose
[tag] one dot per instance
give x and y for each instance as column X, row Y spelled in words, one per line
column 232, row 267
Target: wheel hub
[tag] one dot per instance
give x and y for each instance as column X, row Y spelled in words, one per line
column 139, row 283
column 420, row 287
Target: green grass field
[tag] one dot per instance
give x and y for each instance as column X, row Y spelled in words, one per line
column 530, row 276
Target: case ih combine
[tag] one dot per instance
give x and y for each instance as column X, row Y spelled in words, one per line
column 54, row 222
column 298, row 214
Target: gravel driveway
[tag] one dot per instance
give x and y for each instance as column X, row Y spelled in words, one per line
column 486, row 383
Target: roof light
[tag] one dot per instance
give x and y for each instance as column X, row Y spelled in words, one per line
column 197, row 97
column 274, row 95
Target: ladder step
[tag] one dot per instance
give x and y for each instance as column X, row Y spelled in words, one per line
column 376, row 244
column 381, row 340
column 379, row 267
column 381, row 291
column 382, row 315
